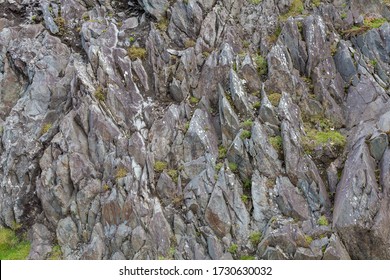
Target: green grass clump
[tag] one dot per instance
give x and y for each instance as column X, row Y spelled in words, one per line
column 233, row 248
column 371, row 22
column 308, row 239
column 296, row 9
column 255, row 2
column 247, row 258
column 56, row 253
column 322, row 221
column 194, row 100
column 136, row 52
column 247, row 124
column 245, row 134
column 189, row 43
column 247, row 183
column 233, row 166
column 316, row 3
column 100, row 93
column 256, row 105
column 12, row 247
column 162, row 25
column 46, row 127
column 60, row 22
column 276, row 142
column 159, row 166
column 218, row 166
column 121, row 173
column 261, row 63
column 255, row 238
column 222, row 152
column 323, row 137
column 173, row 174
column 274, row 98
column 245, row 198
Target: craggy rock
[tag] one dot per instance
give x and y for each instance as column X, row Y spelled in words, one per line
column 181, row 130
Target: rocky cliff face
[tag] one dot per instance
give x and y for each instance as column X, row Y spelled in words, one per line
column 196, row 129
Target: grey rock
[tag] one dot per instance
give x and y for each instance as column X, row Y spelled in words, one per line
column 262, row 209
column 40, row 245
column 214, row 248
column 230, row 123
column 138, row 238
column 200, row 137
column 358, row 201
column 378, row 145
column 290, row 201
column 306, row 254
column 130, row 23
column 217, row 214
column 239, row 95
column 335, row 250
column 67, row 236
column 96, row 248
column 344, row 62
column 156, row 8
column 384, row 122
column 49, row 20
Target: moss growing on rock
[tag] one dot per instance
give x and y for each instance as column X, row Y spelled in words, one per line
column 13, row 247
column 136, row 52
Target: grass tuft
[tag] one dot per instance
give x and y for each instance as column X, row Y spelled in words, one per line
column 136, row 52
column 11, row 247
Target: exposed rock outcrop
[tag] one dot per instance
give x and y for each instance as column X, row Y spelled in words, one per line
column 196, row 129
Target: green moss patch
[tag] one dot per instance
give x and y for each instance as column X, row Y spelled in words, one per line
column 12, row 247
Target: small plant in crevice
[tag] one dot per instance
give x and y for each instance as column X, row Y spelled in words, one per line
column 247, row 124
column 173, row 174
column 160, row 166
column 274, row 36
column 368, row 23
column 244, row 198
column 193, row 100
column 218, row 166
column 136, row 52
column 276, row 142
column 222, row 152
column 274, row 98
column 162, row 24
column 261, row 63
column 189, row 43
column 60, row 22
column 245, row 134
column 322, row 221
column 106, row 188
column 100, row 93
column 256, row 105
column 247, row 258
column 178, row 200
column 45, row 128
column 233, row 249
column 56, row 253
column 255, row 2
column 308, row 239
column 233, row 167
column 255, row 238
column 296, row 8
column 247, row 184
column 121, row 173
column 186, row 126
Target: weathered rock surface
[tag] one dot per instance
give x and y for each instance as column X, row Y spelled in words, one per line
column 196, row 129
